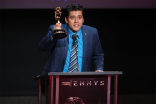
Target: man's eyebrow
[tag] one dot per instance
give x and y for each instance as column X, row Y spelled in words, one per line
column 72, row 16
column 75, row 16
column 79, row 15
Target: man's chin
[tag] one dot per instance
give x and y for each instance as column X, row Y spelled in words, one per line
column 76, row 30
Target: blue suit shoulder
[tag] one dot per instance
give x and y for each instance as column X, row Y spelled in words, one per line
column 89, row 27
column 90, row 30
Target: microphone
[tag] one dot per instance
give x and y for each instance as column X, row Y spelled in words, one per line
column 74, row 37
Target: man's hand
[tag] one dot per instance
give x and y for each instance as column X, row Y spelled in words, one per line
column 99, row 71
column 57, row 26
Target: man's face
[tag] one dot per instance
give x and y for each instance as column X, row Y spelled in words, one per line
column 75, row 20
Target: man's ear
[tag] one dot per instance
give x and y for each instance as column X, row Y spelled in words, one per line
column 66, row 20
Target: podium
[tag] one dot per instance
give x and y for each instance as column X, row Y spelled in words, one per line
column 78, row 87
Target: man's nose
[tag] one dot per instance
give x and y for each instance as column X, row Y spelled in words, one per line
column 76, row 19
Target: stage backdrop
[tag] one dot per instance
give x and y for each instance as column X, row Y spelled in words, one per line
column 127, row 37
column 31, row 4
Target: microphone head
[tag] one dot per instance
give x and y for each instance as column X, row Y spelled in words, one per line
column 74, row 37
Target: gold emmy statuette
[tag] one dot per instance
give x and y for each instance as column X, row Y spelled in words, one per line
column 58, row 33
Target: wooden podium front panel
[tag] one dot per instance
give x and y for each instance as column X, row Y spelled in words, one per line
column 81, row 89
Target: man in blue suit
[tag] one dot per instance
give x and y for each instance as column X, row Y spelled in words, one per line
column 89, row 45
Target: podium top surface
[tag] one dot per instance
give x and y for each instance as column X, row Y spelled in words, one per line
column 80, row 73
column 85, row 73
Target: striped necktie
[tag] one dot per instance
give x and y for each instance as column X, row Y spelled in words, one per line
column 74, row 55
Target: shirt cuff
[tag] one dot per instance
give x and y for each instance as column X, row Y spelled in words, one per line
column 100, row 68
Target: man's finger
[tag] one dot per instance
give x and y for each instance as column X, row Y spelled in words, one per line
column 99, row 71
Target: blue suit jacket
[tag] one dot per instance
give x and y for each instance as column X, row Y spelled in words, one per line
column 91, row 50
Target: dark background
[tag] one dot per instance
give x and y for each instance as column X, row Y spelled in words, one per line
column 127, row 37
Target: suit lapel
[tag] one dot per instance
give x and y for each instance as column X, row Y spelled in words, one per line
column 84, row 34
column 66, row 39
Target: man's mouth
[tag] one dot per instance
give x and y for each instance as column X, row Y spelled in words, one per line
column 76, row 25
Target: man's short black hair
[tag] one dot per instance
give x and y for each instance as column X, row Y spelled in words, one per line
column 74, row 7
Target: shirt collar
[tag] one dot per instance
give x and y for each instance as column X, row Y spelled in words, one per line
column 72, row 33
